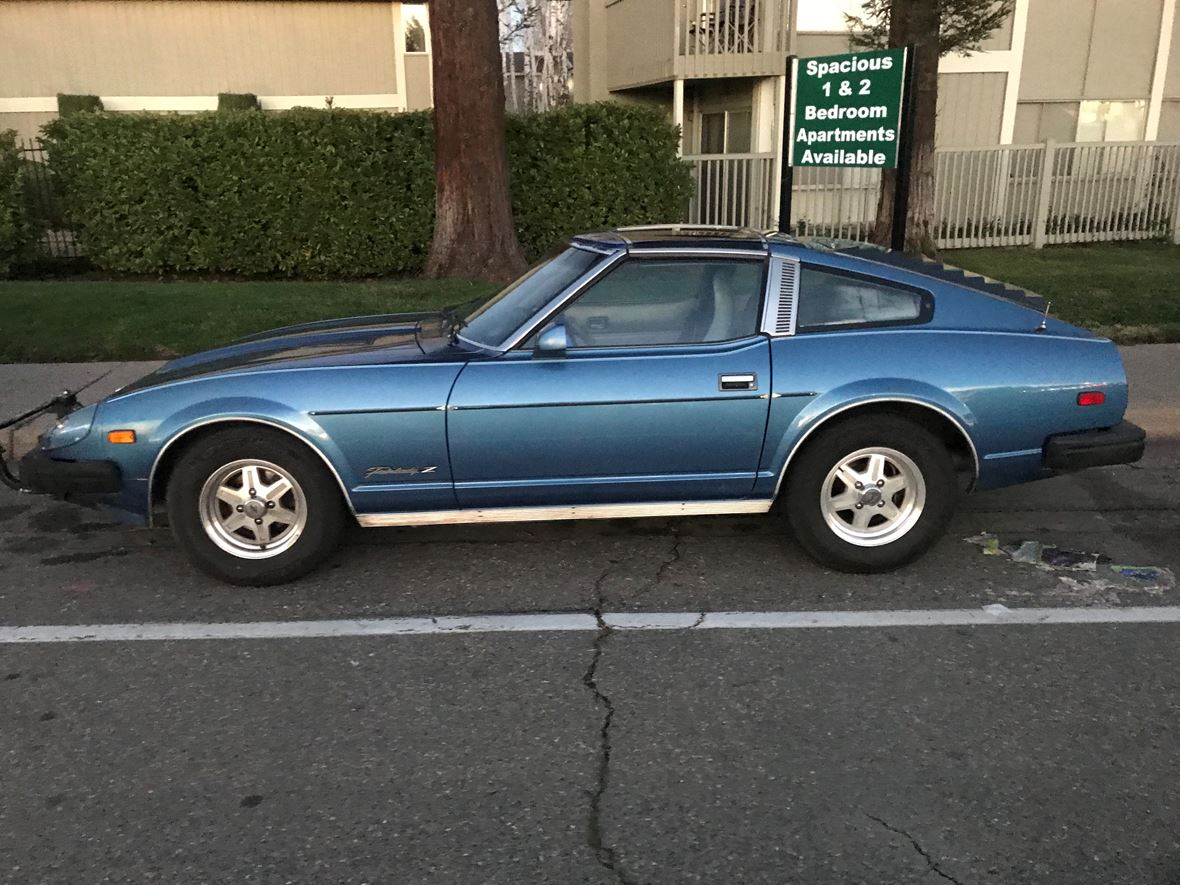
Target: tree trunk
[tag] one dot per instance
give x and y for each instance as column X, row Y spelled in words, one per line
column 915, row 22
column 474, row 234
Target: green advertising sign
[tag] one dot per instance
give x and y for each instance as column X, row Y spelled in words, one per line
column 848, row 109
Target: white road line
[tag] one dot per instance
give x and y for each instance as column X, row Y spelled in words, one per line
column 989, row 615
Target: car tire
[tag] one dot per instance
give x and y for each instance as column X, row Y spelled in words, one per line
column 907, row 494
column 254, row 507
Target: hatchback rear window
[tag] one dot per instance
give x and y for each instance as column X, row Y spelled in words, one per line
column 833, row 300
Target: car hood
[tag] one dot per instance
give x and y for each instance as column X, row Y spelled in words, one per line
column 368, row 340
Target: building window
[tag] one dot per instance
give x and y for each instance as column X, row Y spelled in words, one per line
column 726, row 132
column 414, row 26
column 1112, row 120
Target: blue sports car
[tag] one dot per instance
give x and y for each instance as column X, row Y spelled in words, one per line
column 665, row 371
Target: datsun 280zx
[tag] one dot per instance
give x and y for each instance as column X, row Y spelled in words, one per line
column 641, row 372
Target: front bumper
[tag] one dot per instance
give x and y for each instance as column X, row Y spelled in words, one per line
column 1122, row 444
column 43, row 475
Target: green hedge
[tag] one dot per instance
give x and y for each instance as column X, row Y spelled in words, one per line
column 323, row 193
column 76, row 104
column 237, row 101
column 13, row 225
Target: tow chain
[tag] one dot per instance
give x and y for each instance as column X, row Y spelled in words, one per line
column 61, row 405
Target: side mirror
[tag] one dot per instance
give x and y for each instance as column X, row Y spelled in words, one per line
column 553, row 340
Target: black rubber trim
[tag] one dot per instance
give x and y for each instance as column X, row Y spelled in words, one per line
column 1122, row 444
column 46, row 476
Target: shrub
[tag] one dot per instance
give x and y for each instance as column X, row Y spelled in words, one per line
column 590, row 167
column 74, row 104
column 237, row 101
column 13, row 226
column 338, row 193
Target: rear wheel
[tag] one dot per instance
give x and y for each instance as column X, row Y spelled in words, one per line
column 254, row 507
column 870, row 494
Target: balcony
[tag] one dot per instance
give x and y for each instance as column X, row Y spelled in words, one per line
column 655, row 41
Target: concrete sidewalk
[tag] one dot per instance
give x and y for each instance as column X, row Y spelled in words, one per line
column 1152, row 369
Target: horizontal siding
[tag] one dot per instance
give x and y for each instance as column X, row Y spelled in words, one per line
column 143, row 47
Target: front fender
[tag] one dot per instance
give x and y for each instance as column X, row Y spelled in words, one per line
column 249, row 409
column 794, row 419
column 155, row 436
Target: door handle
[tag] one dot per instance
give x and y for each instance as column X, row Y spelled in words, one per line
column 742, row 381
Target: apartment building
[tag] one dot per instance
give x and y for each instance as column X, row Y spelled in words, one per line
column 1071, row 70
column 177, row 55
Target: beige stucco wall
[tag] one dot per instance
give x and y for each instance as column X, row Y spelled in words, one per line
column 970, row 109
column 147, row 47
column 1089, row 49
column 1169, row 121
column 809, row 43
column 27, row 126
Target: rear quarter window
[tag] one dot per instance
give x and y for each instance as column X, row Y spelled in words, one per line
column 830, row 300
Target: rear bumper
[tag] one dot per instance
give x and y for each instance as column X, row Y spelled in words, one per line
column 45, row 476
column 1122, row 444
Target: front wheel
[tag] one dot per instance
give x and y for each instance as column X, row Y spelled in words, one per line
column 254, row 507
column 870, row 494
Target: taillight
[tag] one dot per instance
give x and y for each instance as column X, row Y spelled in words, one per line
column 1091, row 398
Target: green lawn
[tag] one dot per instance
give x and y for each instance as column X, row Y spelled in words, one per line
column 1129, row 291
column 77, row 320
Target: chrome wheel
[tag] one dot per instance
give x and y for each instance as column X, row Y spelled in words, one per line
column 253, row 509
column 873, row 496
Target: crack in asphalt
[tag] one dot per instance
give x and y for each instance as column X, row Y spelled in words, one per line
column 931, row 863
column 673, row 556
column 603, row 852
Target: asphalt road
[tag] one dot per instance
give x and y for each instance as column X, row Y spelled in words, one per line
column 881, row 754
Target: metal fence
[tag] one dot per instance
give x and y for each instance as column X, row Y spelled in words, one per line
column 1008, row 195
column 44, row 207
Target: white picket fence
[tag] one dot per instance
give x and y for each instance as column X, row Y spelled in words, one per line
column 1009, row 195
column 734, row 189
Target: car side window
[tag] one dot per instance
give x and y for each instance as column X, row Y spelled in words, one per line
column 646, row 302
column 831, row 300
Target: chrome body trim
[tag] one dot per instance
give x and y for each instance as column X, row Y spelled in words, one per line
column 639, row 251
column 231, row 420
column 868, row 402
column 582, row 511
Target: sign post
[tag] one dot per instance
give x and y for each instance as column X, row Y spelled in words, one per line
column 848, row 111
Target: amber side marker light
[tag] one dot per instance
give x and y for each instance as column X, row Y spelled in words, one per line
column 1091, row 398
column 125, row 437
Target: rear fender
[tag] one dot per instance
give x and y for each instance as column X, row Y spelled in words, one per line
column 790, row 426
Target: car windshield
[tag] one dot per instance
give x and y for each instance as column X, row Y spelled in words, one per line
column 491, row 324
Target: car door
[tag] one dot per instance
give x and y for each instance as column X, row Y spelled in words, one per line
column 661, row 394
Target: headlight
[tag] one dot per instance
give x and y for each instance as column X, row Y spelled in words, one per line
column 71, row 429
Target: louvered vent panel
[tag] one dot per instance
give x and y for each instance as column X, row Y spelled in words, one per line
column 784, row 322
